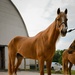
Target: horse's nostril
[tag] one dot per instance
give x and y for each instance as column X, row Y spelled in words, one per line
column 63, row 32
column 66, row 31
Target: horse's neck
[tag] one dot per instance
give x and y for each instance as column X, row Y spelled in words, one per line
column 52, row 33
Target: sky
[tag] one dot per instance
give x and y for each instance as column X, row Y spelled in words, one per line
column 39, row 14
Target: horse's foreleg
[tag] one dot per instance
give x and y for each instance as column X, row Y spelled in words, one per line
column 70, row 66
column 48, row 65
column 41, row 65
column 19, row 60
column 65, row 65
column 66, row 68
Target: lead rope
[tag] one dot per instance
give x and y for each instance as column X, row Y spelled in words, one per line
column 70, row 30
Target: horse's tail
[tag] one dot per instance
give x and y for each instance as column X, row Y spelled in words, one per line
column 9, row 66
column 12, row 53
column 11, row 58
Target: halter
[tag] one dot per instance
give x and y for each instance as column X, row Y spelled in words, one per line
column 61, row 23
column 70, row 30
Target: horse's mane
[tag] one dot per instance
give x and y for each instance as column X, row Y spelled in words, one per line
column 48, row 31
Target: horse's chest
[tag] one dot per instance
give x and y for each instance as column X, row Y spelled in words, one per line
column 49, row 54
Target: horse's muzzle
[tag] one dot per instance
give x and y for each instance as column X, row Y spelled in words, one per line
column 63, row 32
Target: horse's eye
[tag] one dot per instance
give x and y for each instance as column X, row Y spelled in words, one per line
column 58, row 19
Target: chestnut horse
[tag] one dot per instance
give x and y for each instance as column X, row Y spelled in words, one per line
column 40, row 47
column 68, row 57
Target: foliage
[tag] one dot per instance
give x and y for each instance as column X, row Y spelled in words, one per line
column 58, row 56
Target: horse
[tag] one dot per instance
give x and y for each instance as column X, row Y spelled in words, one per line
column 40, row 47
column 68, row 58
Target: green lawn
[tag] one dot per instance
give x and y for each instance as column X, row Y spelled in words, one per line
column 73, row 71
column 60, row 72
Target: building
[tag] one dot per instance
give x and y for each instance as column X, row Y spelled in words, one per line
column 11, row 25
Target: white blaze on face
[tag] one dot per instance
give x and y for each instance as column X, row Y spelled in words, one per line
column 62, row 19
column 64, row 26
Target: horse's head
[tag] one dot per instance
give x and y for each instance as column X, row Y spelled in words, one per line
column 72, row 47
column 61, row 21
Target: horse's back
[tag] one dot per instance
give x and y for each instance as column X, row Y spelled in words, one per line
column 16, row 42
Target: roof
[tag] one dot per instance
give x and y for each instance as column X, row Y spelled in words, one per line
column 20, row 16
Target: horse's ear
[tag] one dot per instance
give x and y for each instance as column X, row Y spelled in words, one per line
column 58, row 11
column 66, row 11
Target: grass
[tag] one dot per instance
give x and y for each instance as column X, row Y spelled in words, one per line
column 52, row 71
column 73, row 71
column 60, row 72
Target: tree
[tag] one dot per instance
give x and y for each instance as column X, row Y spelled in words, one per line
column 58, row 56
